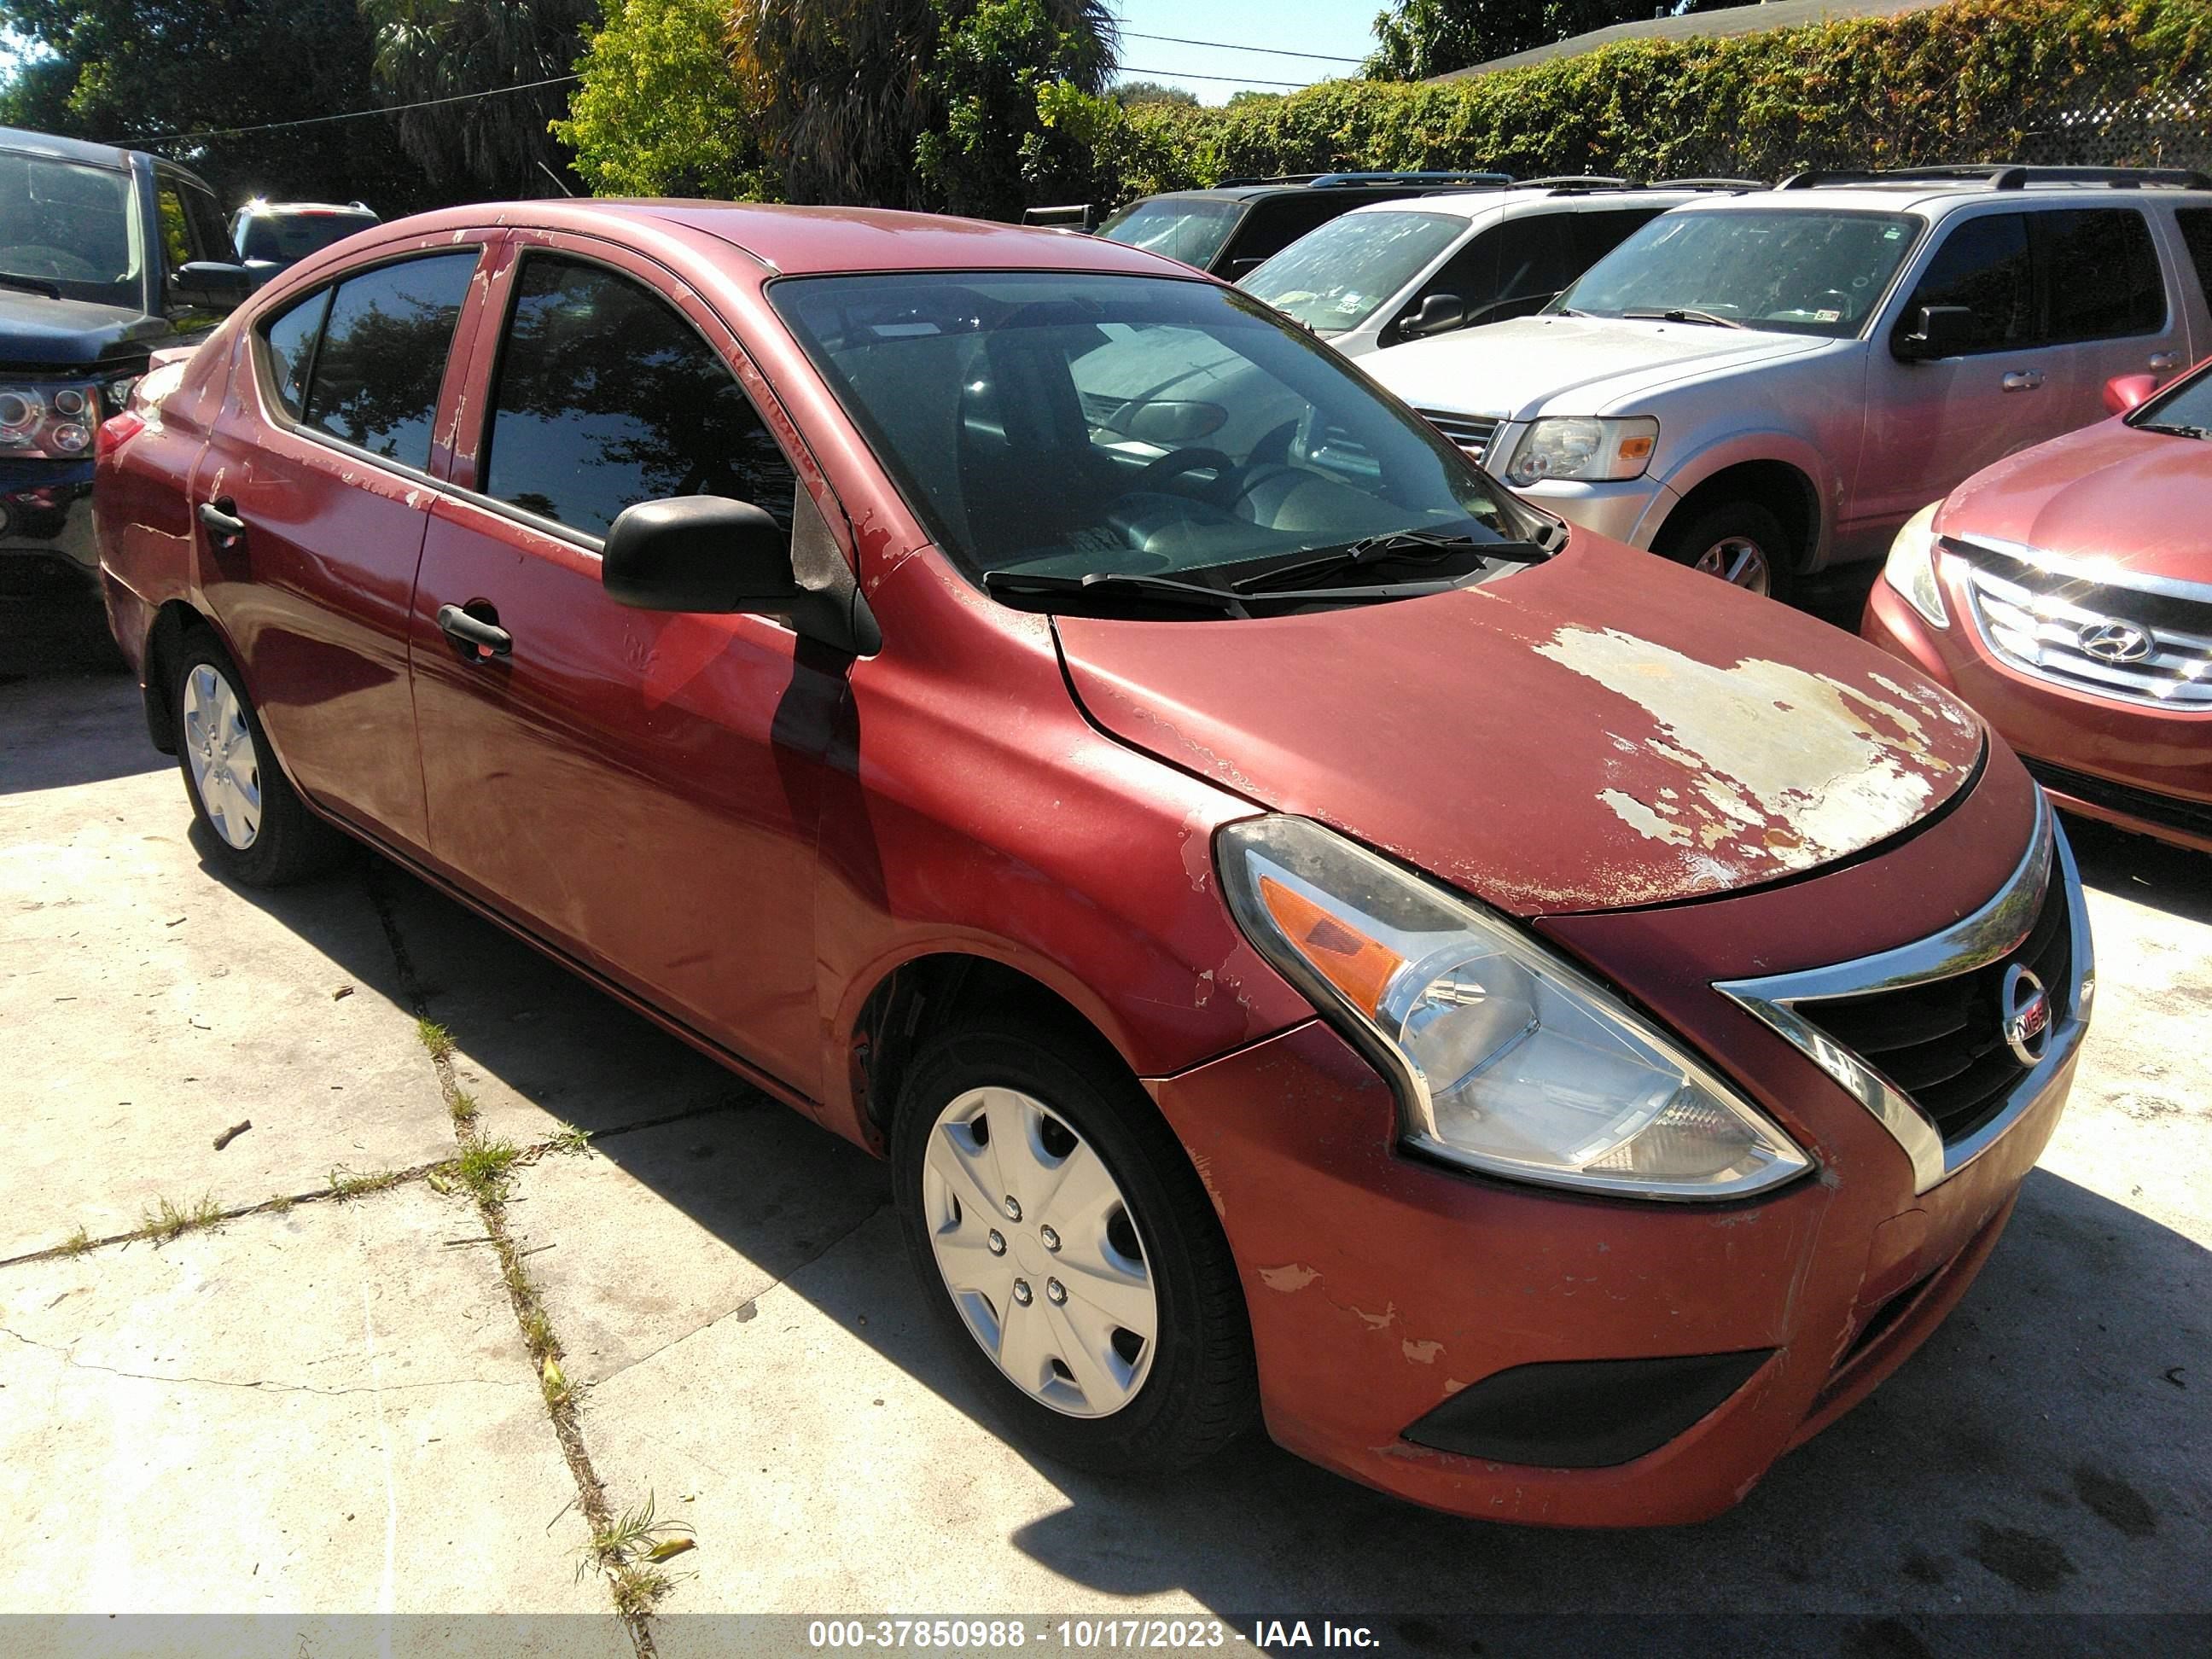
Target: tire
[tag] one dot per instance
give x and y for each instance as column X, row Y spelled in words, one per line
column 1125, row 1407
column 259, row 832
column 1741, row 542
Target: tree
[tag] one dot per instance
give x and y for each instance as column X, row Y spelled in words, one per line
column 135, row 71
column 658, row 111
column 482, row 146
column 916, row 103
column 1151, row 92
column 1418, row 38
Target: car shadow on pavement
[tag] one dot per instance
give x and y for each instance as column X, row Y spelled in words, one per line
column 2171, row 879
column 2047, row 1450
column 69, row 711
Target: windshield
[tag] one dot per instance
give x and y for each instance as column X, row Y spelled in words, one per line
column 1191, row 228
column 1333, row 279
column 1790, row 272
column 69, row 231
column 283, row 238
column 2187, row 408
column 1068, row 425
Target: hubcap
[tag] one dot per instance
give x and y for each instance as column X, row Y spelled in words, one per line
column 219, row 747
column 1015, row 1199
column 1738, row 560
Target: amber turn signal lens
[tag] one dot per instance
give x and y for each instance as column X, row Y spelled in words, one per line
column 1357, row 965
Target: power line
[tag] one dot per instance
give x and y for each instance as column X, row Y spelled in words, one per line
column 1238, row 80
column 1276, row 51
column 350, row 115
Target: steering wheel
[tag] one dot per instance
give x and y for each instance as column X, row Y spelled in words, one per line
column 1176, row 462
column 61, row 266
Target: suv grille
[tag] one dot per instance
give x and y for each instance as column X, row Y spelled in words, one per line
column 1472, row 433
column 2113, row 640
column 1941, row 1041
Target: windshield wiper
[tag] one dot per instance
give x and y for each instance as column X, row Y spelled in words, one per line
column 52, row 289
column 1425, row 545
column 1683, row 314
column 1109, row 582
column 2177, row 430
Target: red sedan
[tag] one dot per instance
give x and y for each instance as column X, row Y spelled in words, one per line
column 1318, row 941
column 2066, row 592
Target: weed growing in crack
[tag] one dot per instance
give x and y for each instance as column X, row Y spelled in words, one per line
column 345, row 1184
column 484, row 1166
column 568, row 1138
column 553, row 1382
column 462, row 1106
column 78, row 1243
column 537, row 1333
column 278, row 1204
column 629, row 1548
column 167, row 1221
column 434, row 1037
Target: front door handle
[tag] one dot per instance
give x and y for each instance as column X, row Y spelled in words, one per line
column 477, row 638
column 226, row 530
column 2162, row 360
column 2023, row 380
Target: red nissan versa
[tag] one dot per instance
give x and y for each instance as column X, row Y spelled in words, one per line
column 2066, row 592
column 1314, row 935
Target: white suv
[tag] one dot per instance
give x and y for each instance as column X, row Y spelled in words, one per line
column 1768, row 384
column 1390, row 272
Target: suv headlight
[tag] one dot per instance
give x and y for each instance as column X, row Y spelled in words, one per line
column 1911, row 568
column 1576, row 447
column 51, row 422
column 1508, row 1060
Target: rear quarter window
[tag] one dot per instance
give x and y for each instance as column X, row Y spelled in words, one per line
column 382, row 357
column 2196, row 227
column 289, row 342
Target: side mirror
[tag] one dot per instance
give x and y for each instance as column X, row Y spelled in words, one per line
column 710, row 553
column 1440, row 313
column 2123, row 392
column 1944, row 331
column 212, row 284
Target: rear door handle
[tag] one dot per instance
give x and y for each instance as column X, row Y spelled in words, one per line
column 2023, row 380
column 224, row 527
column 2162, row 360
column 473, row 637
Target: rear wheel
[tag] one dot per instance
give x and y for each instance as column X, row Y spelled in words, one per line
column 1068, row 1250
column 1741, row 543
column 262, row 831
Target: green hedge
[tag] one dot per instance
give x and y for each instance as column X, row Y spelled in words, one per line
column 2047, row 80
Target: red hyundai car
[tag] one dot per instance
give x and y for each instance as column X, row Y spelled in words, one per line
column 1318, row 939
column 2066, row 592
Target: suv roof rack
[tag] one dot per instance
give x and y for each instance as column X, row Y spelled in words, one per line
column 1709, row 184
column 1334, row 179
column 2008, row 175
column 1576, row 183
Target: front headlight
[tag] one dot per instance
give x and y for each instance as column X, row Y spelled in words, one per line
column 1508, row 1059
column 48, row 422
column 1912, row 567
column 1573, row 447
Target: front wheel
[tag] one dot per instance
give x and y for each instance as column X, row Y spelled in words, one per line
column 263, row 833
column 1069, row 1252
column 1741, row 542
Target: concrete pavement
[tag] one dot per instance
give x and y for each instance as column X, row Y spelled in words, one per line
column 330, row 1409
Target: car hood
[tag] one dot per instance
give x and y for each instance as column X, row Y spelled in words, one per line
column 2110, row 495
column 68, row 333
column 1600, row 731
column 1514, row 370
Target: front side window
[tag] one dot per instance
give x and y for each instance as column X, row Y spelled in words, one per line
column 1335, row 278
column 2102, row 273
column 1511, row 269
column 382, row 356
column 606, row 397
column 1801, row 272
column 1063, row 426
column 1982, row 264
column 70, row 232
column 1191, row 228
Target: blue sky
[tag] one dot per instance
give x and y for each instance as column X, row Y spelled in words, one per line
column 1338, row 28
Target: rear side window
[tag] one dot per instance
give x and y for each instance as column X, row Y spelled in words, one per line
column 291, row 340
column 2196, row 227
column 2102, row 273
column 1511, row 270
column 1983, row 264
column 607, row 398
column 1276, row 221
column 382, row 356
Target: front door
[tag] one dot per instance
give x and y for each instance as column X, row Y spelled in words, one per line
column 639, row 788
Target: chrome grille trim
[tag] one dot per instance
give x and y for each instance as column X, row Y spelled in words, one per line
column 1988, row 935
column 1471, row 432
column 2037, row 625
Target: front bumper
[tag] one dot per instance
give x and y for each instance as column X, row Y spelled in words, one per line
column 1630, row 511
column 47, row 538
column 2142, row 768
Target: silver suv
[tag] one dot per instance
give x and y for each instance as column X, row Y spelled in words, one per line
column 1768, row 384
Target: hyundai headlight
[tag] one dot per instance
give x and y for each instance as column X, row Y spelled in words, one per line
column 1509, row 1059
column 1574, row 446
column 1912, row 567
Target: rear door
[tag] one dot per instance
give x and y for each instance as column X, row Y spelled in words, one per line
column 2105, row 306
column 321, row 458
column 640, row 788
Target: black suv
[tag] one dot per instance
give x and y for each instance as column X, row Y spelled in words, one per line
column 105, row 256
column 1229, row 229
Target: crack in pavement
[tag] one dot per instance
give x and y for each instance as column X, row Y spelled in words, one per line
column 68, row 1356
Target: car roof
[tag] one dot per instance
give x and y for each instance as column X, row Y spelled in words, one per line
column 1473, row 204
column 64, row 149
column 1920, row 195
column 810, row 240
column 354, row 208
